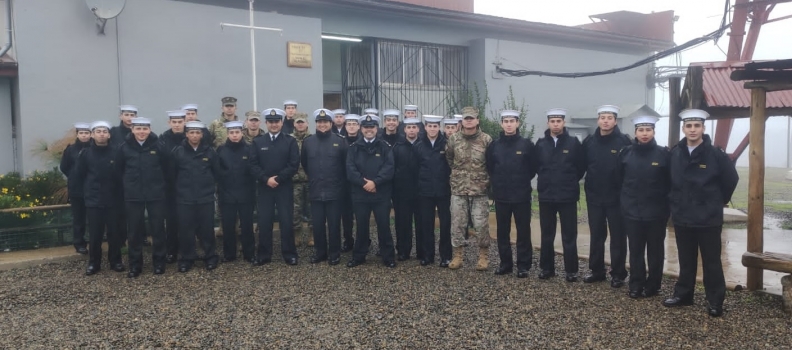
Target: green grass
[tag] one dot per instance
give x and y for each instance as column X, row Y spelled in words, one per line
column 777, row 191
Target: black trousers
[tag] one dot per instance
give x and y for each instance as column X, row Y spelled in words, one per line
column 171, row 226
column 135, row 213
column 407, row 212
column 232, row 211
column 442, row 205
column 281, row 197
column 326, row 218
column 602, row 219
column 347, row 217
column 646, row 238
column 101, row 220
column 522, row 220
column 196, row 220
column 122, row 221
column 381, row 212
column 78, row 212
column 689, row 241
column 567, row 213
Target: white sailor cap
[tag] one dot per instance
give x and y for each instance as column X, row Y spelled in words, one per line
column 290, row 103
column 390, row 113
column 449, row 121
column 273, row 114
column 432, row 119
column 339, row 111
column 608, row 109
column 556, row 112
column 100, row 124
column 645, row 121
column 352, row 117
column 234, row 124
column 194, row 125
column 410, row 107
column 139, row 121
column 509, row 113
column 128, row 108
column 693, row 114
column 323, row 114
column 371, row 111
column 179, row 114
column 458, row 117
column 82, row 126
column 412, row 121
column 190, row 106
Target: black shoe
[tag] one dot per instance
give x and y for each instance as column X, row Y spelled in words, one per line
column 353, row 263
column 522, row 273
column 425, row 262
column 677, row 301
column 170, row 258
column 503, row 269
column 651, row 293
column 715, row 311
column 92, row 269
column 592, row 278
column 402, row 257
column 185, row 267
column 317, row 259
column 158, row 270
column 348, row 246
column 133, row 273
column 445, row 262
column 635, row 294
column 81, row 250
column 291, row 261
column 211, row 266
column 118, row 267
column 249, row 259
column 571, row 277
column 617, row 282
column 334, row 261
column 544, row 274
column 229, row 259
column 390, row 264
column 261, row 262
column 146, row 242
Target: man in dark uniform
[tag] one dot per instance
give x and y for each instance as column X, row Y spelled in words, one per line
column 390, row 131
column 601, row 151
column 236, row 193
column 561, row 166
column 411, row 113
column 195, row 169
column 118, row 134
column 450, row 126
column 338, row 122
column 369, row 167
column 101, row 188
column 405, row 199
column 274, row 160
column 511, row 165
column 141, row 162
column 191, row 115
column 68, row 166
column 434, row 191
column 290, row 108
column 643, row 173
column 703, row 179
column 323, row 157
column 169, row 140
column 352, row 128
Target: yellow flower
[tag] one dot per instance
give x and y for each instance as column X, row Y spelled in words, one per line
column 24, row 215
column 5, row 190
column 27, row 195
column 18, row 198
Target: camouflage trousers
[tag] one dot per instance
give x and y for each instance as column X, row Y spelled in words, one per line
column 302, row 207
column 477, row 209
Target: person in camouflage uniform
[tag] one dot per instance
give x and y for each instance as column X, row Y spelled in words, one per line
column 217, row 127
column 466, row 154
column 301, row 203
column 252, row 127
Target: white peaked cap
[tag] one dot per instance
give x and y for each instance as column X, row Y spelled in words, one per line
column 410, row 107
column 693, row 114
column 509, row 113
column 289, row 102
column 82, row 126
column 339, row 111
column 371, row 111
column 432, row 118
column 234, row 124
column 556, row 111
column 190, row 106
column 458, row 117
column 100, row 124
column 449, row 121
column 354, row 117
column 645, row 120
column 141, row 121
column 130, row 108
column 390, row 113
column 194, row 125
column 177, row 114
column 608, row 109
column 411, row 121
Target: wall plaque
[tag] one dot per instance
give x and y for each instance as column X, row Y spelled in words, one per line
column 298, row 55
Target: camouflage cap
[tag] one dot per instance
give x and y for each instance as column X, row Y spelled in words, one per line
column 228, row 100
column 301, row 117
column 470, row 112
column 253, row 115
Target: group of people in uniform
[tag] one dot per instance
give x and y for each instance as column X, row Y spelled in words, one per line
column 424, row 168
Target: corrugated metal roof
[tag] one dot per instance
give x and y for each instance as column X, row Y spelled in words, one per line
column 721, row 91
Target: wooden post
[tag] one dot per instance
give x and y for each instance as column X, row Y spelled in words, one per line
column 674, row 107
column 756, row 175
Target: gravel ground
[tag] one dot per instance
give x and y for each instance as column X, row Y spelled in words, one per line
column 321, row 306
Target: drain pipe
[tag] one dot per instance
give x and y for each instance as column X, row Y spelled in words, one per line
column 7, row 45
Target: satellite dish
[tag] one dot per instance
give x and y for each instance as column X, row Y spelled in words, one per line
column 106, row 9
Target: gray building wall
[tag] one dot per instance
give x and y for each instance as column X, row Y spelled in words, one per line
column 6, row 135
column 158, row 55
